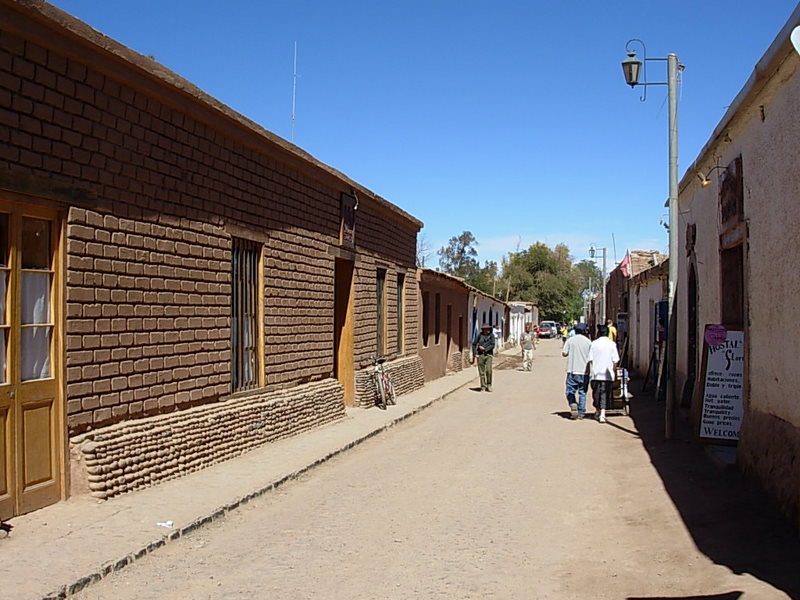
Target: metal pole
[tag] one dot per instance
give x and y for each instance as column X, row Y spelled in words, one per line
column 672, row 85
column 603, row 316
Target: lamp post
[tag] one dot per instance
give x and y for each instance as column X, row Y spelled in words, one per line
column 631, row 67
column 592, row 251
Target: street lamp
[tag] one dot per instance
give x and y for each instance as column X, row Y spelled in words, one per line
column 592, row 251
column 630, row 68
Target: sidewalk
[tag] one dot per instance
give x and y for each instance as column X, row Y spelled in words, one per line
column 56, row 551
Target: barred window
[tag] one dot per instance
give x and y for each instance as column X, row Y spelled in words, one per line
column 246, row 298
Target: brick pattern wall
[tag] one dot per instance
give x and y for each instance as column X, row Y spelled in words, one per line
column 298, row 309
column 457, row 362
column 154, row 182
column 406, row 373
column 148, row 309
column 130, row 456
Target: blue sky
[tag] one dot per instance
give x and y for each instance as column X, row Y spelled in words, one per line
column 510, row 119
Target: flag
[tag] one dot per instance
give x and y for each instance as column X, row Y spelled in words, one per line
column 625, row 265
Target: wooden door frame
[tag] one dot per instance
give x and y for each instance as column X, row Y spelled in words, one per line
column 21, row 206
column 344, row 330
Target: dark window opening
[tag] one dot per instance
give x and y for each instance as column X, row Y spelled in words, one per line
column 401, row 283
column 437, row 318
column 380, row 347
column 426, row 301
column 244, row 314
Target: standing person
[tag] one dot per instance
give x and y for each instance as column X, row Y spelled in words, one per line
column 576, row 350
column 612, row 331
column 603, row 355
column 527, row 343
column 483, row 347
column 563, row 332
column 498, row 338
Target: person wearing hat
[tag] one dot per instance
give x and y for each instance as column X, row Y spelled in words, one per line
column 576, row 350
column 483, row 348
column 527, row 343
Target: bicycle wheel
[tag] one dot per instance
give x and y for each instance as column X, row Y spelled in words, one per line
column 388, row 389
column 380, row 398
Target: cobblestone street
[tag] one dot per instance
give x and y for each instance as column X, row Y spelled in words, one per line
column 483, row 496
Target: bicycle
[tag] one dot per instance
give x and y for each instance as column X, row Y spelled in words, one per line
column 383, row 383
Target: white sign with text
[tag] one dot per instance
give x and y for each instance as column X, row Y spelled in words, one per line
column 724, row 388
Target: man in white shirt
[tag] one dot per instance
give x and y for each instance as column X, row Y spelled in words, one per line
column 577, row 352
column 604, row 356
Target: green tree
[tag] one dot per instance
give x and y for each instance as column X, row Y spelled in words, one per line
column 587, row 276
column 458, row 257
column 547, row 278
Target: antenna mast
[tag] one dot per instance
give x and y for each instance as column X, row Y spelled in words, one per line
column 294, row 89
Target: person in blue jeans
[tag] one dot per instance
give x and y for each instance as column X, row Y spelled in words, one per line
column 576, row 350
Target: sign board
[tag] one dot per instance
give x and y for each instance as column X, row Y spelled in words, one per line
column 723, row 383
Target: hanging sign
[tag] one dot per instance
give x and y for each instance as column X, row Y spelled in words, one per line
column 723, row 383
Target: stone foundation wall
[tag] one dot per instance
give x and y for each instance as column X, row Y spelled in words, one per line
column 458, row 361
column 407, row 375
column 769, row 451
column 137, row 454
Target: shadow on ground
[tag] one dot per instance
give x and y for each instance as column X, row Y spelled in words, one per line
column 727, row 596
column 730, row 519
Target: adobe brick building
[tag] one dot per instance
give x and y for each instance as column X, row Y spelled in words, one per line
column 444, row 323
column 180, row 284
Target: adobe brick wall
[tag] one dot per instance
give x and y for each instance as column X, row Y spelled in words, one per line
column 154, row 179
column 406, row 373
column 458, row 361
column 148, row 308
column 130, row 456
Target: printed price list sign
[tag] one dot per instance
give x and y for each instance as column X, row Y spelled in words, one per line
column 724, row 386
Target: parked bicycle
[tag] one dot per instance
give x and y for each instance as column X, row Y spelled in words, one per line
column 383, row 383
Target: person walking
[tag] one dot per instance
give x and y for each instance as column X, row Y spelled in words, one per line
column 603, row 356
column 612, row 331
column 527, row 343
column 576, row 350
column 482, row 348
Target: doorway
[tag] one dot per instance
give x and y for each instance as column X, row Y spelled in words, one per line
column 343, row 366
column 691, row 339
column 31, row 402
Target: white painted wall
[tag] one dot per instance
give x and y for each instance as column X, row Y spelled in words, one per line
column 489, row 310
column 766, row 133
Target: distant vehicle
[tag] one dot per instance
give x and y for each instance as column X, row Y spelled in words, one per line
column 548, row 329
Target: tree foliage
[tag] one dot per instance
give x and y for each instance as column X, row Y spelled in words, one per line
column 548, row 278
column 542, row 275
column 458, row 259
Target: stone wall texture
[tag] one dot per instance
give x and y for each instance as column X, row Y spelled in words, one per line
column 406, row 373
column 458, row 361
column 769, row 451
column 130, row 456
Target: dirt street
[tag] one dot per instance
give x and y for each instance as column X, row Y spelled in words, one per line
column 491, row 495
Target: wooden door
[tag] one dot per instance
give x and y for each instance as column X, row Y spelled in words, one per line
column 344, row 367
column 31, row 415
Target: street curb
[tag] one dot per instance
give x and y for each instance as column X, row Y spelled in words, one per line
column 116, row 565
